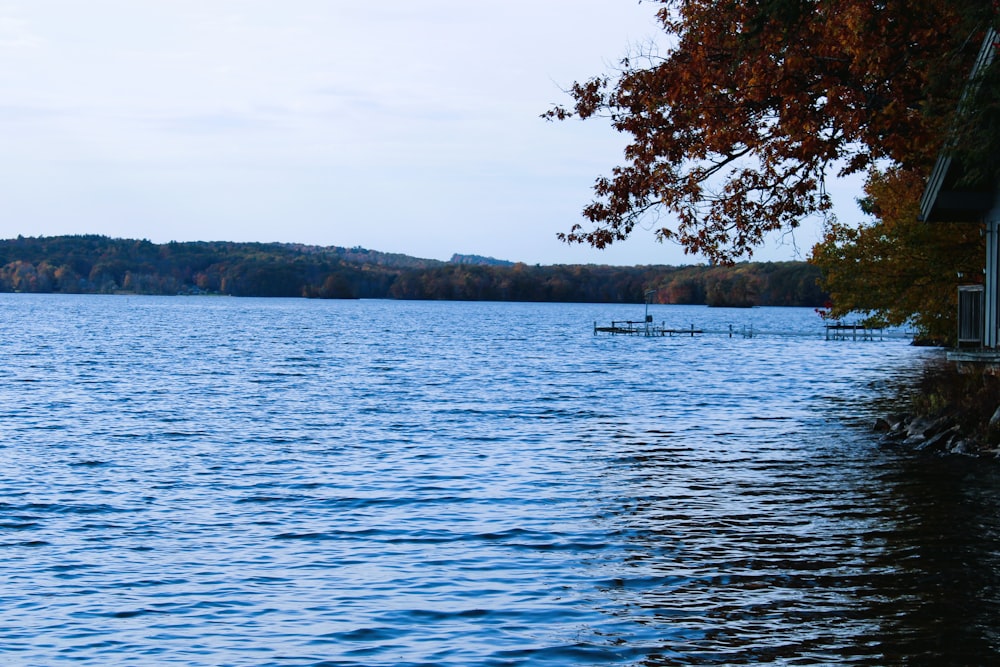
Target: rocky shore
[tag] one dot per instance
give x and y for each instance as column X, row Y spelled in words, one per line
column 950, row 412
column 941, row 435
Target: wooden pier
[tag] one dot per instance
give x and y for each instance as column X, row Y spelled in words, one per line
column 834, row 331
column 646, row 327
column 643, row 328
column 842, row 331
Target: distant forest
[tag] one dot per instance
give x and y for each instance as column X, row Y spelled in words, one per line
column 93, row 264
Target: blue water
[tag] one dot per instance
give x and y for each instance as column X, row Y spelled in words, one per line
column 216, row 481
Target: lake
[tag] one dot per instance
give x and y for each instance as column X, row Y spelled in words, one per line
column 220, row 481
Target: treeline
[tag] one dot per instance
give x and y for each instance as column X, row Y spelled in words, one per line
column 98, row 264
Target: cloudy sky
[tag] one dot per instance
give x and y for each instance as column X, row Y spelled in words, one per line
column 399, row 125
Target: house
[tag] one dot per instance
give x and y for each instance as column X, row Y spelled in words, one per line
column 952, row 197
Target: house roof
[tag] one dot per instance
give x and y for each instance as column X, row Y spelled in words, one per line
column 948, row 197
column 945, row 200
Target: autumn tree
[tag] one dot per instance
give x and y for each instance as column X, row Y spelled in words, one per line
column 894, row 268
column 746, row 108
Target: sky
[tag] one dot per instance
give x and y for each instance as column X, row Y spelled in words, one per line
column 408, row 126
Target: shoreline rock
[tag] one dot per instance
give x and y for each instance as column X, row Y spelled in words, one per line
column 937, row 435
column 947, row 410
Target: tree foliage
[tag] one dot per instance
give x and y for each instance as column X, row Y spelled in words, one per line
column 896, row 268
column 97, row 264
column 752, row 104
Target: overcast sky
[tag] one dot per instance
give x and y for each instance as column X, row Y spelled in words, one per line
column 398, row 125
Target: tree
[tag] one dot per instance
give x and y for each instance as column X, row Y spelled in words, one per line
column 736, row 126
column 896, row 268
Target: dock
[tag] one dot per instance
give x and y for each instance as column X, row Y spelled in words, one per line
column 842, row 331
column 643, row 328
column 835, row 331
column 838, row 330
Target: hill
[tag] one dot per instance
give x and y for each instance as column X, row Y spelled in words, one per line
column 99, row 264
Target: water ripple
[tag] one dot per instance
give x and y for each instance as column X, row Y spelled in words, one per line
column 251, row 482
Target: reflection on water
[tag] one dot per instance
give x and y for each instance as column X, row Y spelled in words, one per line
column 247, row 482
column 882, row 560
column 941, row 530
